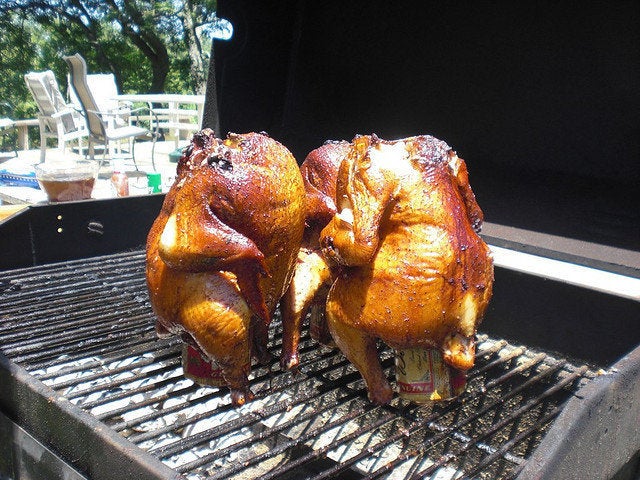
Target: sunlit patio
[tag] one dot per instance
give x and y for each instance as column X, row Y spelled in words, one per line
column 15, row 194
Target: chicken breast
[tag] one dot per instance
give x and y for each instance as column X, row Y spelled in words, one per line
column 223, row 249
column 417, row 273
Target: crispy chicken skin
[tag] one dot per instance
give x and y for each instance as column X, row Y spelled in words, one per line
column 312, row 277
column 223, row 248
column 418, row 275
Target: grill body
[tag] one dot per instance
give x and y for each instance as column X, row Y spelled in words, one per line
column 84, row 374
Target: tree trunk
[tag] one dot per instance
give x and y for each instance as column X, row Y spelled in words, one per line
column 146, row 39
column 194, row 48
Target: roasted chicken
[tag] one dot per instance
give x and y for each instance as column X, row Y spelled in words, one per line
column 418, row 275
column 312, row 277
column 222, row 251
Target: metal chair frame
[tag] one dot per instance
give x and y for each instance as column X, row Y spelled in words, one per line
column 101, row 125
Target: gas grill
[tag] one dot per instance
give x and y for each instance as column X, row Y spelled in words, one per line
column 89, row 391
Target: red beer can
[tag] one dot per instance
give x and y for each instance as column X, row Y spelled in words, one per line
column 199, row 369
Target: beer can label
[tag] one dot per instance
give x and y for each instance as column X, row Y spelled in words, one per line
column 200, row 369
column 423, row 376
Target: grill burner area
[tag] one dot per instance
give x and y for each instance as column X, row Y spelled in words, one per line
column 85, row 330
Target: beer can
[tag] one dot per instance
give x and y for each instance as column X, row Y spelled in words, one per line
column 423, row 376
column 120, row 183
column 200, row 369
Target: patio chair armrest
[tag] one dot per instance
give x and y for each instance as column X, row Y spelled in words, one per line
column 105, row 113
column 60, row 113
column 118, row 112
column 153, row 116
column 141, row 109
column 6, row 123
column 121, row 109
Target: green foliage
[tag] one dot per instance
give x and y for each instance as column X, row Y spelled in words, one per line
column 18, row 56
column 141, row 41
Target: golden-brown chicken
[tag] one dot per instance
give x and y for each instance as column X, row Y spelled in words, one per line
column 223, row 248
column 312, row 277
column 419, row 275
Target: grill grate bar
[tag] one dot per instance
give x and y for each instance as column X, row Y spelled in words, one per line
column 127, row 426
column 513, row 415
column 119, row 354
column 110, row 346
column 177, row 389
column 65, row 296
column 532, row 362
column 443, row 431
column 84, row 345
column 501, row 360
column 154, row 415
column 244, row 421
column 99, row 263
column 115, row 383
column 139, row 438
column 146, row 387
column 105, row 266
column 418, row 424
column 58, row 334
column 348, row 396
column 314, row 454
column 166, row 410
column 159, row 355
column 503, row 451
column 34, row 291
column 193, row 440
column 85, row 328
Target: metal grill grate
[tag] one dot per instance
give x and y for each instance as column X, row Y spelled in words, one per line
column 85, row 329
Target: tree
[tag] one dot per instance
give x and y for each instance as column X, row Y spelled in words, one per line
column 17, row 57
column 194, row 48
column 140, row 41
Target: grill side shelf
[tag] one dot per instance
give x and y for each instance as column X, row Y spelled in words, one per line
column 48, row 233
column 78, row 437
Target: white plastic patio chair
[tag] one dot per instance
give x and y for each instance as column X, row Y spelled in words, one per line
column 56, row 119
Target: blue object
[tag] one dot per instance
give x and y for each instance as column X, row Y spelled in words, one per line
column 19, row 179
